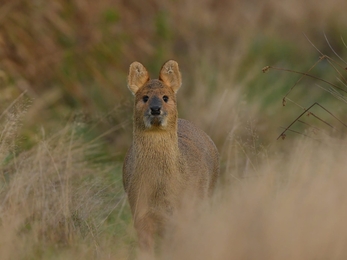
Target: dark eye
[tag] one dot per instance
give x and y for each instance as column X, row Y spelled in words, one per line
column 165, row 98
column 145, row 98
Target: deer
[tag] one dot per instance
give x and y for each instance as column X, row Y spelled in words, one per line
column 169, row 157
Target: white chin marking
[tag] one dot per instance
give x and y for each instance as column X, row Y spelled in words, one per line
column 163, row 122
column 147, row 122
column 150, row 122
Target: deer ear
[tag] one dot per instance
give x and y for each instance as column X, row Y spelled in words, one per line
column 170, row 75
column 137, row 77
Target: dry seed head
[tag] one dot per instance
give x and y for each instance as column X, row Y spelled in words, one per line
column 266, row 69
column 284, row 101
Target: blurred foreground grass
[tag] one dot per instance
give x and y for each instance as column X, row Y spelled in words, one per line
column 61, row 197
column 65, row 122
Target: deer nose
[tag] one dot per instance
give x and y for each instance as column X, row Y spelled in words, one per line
column 155, row 110
column 155, row 106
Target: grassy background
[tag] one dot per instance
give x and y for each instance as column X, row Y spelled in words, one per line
column 66, row 122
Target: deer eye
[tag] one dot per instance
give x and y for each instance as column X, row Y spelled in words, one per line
column 145, row 98
column 166, row 99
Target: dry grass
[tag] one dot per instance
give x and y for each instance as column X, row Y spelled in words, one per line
column 61, row 194
column 75, row 54
column 57, row 199
column 58, row 203
column 293, row 207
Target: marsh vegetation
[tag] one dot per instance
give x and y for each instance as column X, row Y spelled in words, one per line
column 66, row 120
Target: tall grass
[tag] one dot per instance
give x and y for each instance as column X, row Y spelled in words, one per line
column 75, row 54
column 61, row 194
column 292, row 208
column 62, row 200
column 57, row 199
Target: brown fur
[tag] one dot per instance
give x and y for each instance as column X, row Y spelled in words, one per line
column 169, row 157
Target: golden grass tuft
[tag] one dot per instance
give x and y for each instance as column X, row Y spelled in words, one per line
column 56, row 198
column 292, row 208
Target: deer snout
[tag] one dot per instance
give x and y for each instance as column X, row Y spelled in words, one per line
column 155, row 106
column 155, row 110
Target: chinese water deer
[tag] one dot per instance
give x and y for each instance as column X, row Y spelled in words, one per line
column 169, row 157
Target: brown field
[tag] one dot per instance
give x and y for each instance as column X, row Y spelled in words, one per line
column 65, row 125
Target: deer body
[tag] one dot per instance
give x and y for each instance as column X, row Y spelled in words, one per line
column 169, row 157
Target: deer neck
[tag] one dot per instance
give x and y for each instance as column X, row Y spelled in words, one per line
column 156, row 144
column 157, row 151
